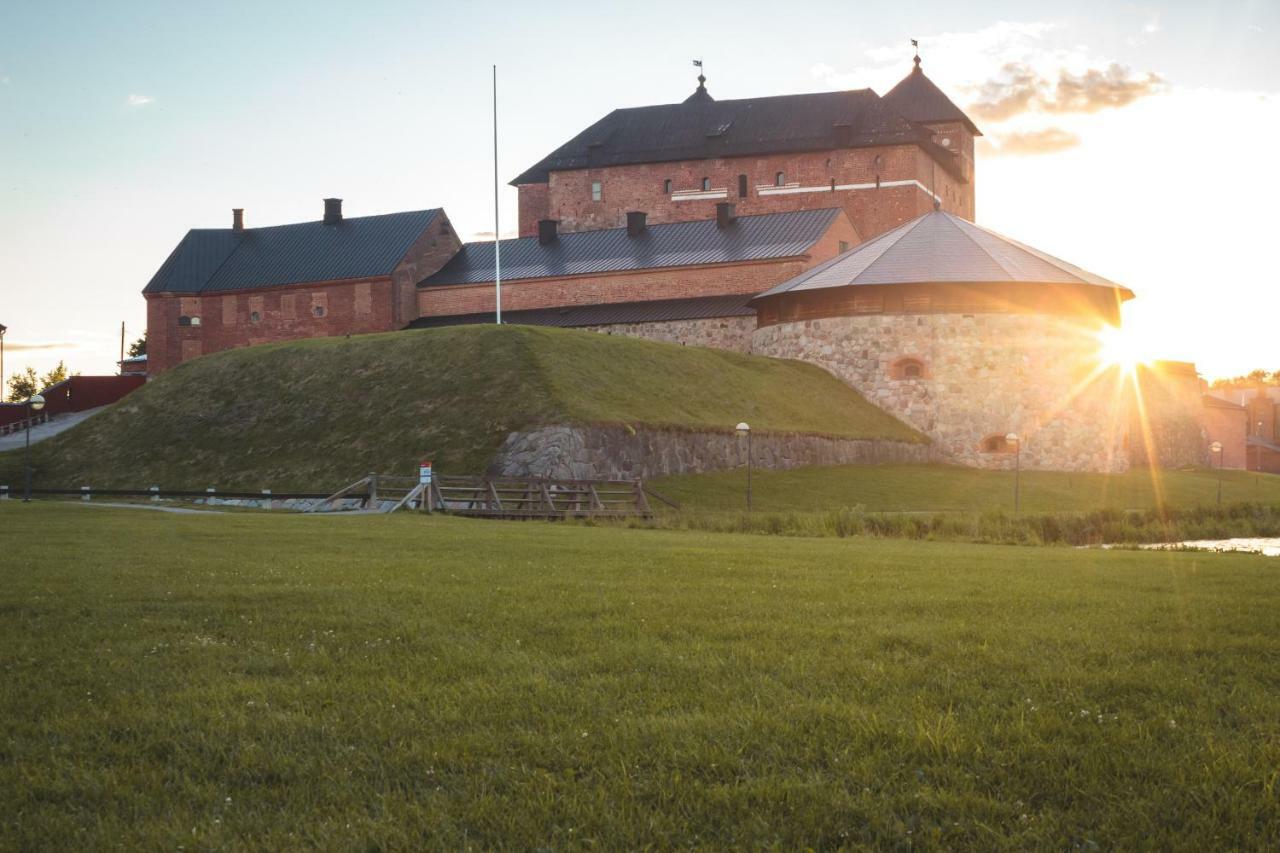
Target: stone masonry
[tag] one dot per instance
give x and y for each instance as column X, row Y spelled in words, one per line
column 731, row 333
column 620, row 452
column 985, row 375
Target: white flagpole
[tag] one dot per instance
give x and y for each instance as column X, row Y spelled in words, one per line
column 497, row 243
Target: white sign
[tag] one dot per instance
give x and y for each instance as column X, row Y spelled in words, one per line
column 424, row 473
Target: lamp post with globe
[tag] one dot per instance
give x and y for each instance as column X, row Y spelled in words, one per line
column 34, row 404
column 1216, row 447
column 1012, row 438
column 744, row 431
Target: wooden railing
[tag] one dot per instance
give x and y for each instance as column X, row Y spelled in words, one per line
column 515, row 497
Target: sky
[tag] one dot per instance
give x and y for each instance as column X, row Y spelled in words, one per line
column 1132, row 139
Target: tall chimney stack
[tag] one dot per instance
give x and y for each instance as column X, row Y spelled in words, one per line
column 724, row 214
column 237, row 219
column 547, row 231
column 332, row 211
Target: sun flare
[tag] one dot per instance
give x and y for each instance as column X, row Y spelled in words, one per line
column 1118, row 348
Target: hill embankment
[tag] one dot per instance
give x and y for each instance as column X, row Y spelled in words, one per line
column 315, row 414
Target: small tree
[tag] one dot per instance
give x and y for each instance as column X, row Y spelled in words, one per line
column 53, row 377
column 138, row 347
column 23, row 385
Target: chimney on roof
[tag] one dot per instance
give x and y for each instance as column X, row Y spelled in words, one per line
column 332, row 211
column 237, row 219
column 547, row 231
column 636, row 222
column 725, row 214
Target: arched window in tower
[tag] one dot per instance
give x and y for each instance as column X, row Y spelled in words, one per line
column 908, row 367
column 779, row 179
column 706, row 184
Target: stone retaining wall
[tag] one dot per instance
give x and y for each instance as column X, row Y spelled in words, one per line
column 731, row 333
column 619, row 452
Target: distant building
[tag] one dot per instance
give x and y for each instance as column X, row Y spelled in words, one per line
column 1261, row 404
column 238, row 286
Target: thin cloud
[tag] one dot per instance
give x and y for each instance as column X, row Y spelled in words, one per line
column 1014, row 90
column 16, row 347
column 1050, row 140
column 1097, row 89
column 1019, row 89
column 140, row 100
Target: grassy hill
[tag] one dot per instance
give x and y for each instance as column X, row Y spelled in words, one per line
column 315, row 414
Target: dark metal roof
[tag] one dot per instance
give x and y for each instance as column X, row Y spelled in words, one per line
column 216, row 259
column 940, row 247
column 673, row 244
column 656, row 311
column 703, row 127
column 918, row 99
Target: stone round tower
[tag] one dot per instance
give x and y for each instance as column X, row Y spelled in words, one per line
column 968, row 336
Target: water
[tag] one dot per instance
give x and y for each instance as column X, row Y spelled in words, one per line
column 1266, row 547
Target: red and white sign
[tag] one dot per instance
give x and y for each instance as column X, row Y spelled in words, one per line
column 424, row 473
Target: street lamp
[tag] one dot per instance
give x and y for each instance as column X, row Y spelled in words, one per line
column 34, row 404
column 1012, row 438
column 1216, row 447
column 744, row 431
column 3, row 329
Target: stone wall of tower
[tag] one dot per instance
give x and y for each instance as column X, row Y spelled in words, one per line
column 983, row 376
column 880, row 188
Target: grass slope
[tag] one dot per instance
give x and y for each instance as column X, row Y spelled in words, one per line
column 267, row 682
column 318, row 413
column 941, row 488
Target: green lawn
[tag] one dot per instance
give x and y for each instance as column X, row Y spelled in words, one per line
column 265, row 681
column 940, row 488
column 316, row 414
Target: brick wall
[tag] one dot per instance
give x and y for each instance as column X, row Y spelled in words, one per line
column 567, row 195
column 264, row 315
column 667, row 283
column 1229, row 426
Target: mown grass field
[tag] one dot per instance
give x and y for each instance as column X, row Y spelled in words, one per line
column 264, row 681
column 947, row 488
column 313, row 415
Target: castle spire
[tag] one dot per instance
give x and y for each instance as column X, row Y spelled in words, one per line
column 700, row 94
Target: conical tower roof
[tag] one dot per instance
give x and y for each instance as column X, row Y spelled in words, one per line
column 917, row 98
column 941, row 248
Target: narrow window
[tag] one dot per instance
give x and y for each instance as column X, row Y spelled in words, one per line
column 706, row 184
column 184, row 321
column 844, row 246
column 318, row 311
column 254, row 316
column 912, row 370
column 596, row 193
column 742, row 186
column 666, row 186
column 833, row 184
column 779, row 179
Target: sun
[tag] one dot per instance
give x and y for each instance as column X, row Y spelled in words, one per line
column 1117, row 348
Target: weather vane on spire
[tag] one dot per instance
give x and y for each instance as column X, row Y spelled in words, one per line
column 701, row 77
column 916, row 44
